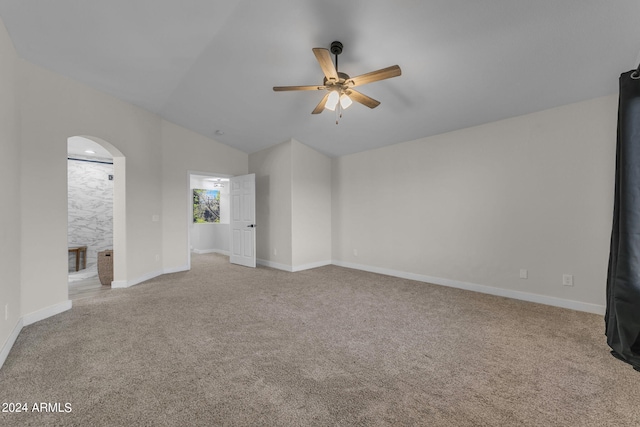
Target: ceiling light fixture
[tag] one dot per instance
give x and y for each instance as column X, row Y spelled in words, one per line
column 332, row 100
column 345, row 101
column 89, row 151
column 218, row 182
column 339, row 85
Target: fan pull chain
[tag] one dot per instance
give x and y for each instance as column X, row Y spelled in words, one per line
column 338, row 107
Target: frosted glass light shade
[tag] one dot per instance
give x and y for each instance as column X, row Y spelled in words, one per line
column 332, row 101
column 345, row 101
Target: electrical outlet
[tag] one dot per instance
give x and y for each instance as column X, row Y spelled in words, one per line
column 524, row 273
column 6, row 312
column 355, row 252
column 567, row 279
column 157, row 257
column 275, row 251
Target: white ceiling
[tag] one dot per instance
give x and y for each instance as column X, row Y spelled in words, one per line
column 210, row 65
column 77, row 147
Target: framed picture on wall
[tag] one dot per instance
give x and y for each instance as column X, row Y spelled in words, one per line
column 206, row 205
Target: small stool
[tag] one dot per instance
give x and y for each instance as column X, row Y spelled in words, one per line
column 78, row 250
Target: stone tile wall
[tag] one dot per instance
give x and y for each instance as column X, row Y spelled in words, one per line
column 90, row 208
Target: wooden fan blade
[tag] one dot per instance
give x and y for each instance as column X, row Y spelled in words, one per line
column 324, row 59
column 285, row 88
column 362, row 98
column 320, row 107
column 374, row 76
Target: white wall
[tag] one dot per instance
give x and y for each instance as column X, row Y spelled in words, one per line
column 477, row 205
column 9, row 196
column 293, row 206
column 158, row 158
column 311, row 207
column 184, row 151
column 272, row 167
column 39, row 111
column 208, row 238
column 90, row 208
column 54, row 108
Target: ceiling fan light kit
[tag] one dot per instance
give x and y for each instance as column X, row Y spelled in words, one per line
column 339, row 86
column 345, row 101
column 332, row 100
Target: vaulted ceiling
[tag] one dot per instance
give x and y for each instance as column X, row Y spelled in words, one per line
column 210, row 65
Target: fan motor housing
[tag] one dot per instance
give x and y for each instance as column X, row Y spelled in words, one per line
column 342, row 77
column 336, row 48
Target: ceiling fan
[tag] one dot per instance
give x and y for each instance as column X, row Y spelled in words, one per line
column 339, row 86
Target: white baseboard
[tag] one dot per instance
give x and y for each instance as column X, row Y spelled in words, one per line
column 211, row 251
column 508, row 293
column 29, row 319
column 289, row 268
column 275, row 265
column 119, row 284
column 176, row 269
column 36, row 316
column 6, row 348
column 310, row 265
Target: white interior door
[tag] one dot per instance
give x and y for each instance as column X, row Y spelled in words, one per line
column 243, row 220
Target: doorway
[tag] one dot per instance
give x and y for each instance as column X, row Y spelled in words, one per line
column 218, row 205
column 209, row 214
column 95, row 172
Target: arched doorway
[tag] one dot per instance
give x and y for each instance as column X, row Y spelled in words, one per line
column 96, row 203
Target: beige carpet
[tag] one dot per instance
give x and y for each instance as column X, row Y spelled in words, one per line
column 228, row 345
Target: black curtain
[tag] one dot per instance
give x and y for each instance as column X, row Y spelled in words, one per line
column 623, row 281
